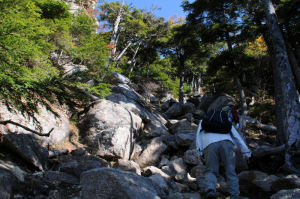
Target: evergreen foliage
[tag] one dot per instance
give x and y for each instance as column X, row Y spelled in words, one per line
column 29, row 32
column 220, row 41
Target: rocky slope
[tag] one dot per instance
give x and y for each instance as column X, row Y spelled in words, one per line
column 131, row 145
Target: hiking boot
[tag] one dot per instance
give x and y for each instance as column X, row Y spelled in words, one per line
column 213, row 195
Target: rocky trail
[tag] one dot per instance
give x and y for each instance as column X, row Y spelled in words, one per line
column 133, row 144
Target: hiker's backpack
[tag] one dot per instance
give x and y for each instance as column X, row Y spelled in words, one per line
column 216, row 121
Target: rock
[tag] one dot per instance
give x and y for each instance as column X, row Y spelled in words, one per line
column 287, row 194
column 174, row 111
column 188, row 108
column 118, row 78
column 14, row 169
column 251, row 175
column 177, row 166
column 182, row 187
column 183, row 126
column 201, row 184
column 151, row 153
column 55, row 177
column 79, row 152
column 198, row 171
column 178, row 195
column 48, row 184
column 137, row 150
column 70, row 69
column 107, row 129
column 161, row 182
column 199, row 114
column 102, row 183
column 135, row 103
column 181, row 177
column 152, row 170
column 128, row 165
column 287, row 182
column 150, row 98
column 166, row 95
column 44, row 120
column 185, row 139
column 163, row 162
column 167, row 104
column 7, row 181
column 188, row 116
column 26, row 147
column 76, row 167
column 265, row 182
column 192, row 157
column 248, row 188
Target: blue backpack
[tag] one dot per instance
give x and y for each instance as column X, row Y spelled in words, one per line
column 216, row 121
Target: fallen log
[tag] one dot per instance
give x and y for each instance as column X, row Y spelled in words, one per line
column 259, row 125
column 268, row 150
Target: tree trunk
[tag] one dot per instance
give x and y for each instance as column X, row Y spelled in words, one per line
column 298, row 52
column 193, row 84
column 133, row 60
column 148, row 69
column 123, row 51
column 199, row 83
column 295, row 66
column 242, row 122
column 181, row 77
column 280, row 138
column 287, row 90
column 114, row 36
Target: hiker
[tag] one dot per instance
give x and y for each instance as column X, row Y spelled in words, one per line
column 232, row 113
column 218, row 147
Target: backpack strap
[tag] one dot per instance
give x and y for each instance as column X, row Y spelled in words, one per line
column 221, row 115
column 212, row 115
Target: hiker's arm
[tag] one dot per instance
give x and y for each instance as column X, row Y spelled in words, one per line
column 198, row 142
column 240, row 141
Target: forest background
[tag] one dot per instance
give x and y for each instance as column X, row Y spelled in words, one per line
column 248, row 49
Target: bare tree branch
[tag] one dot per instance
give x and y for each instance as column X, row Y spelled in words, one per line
column 26, row 128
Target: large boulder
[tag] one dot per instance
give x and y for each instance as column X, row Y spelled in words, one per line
column 185, row 138
column 75, row 168
column 106, row 183
column 26, row 147
column 7, row 181
column 151, row 153
column 287, row 182
column 183, row 126
column 286, row 194
column 134, row 102
column 107, row 129
column 174, row 111
column 42, row 121
column 128, row 165
column 188, row 108
column 48, row 184
column 192, row 157
column 117, row 78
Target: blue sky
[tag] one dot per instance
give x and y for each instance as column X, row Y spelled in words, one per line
column 168, row 8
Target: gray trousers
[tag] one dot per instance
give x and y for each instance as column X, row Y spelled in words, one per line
column 214, row 153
